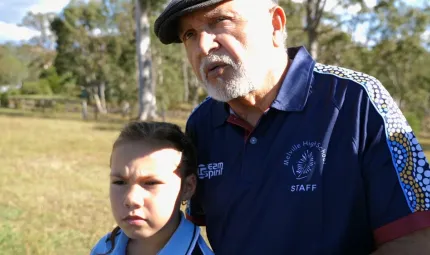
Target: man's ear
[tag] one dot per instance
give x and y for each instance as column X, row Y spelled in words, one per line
column 279, row 21
column 188, row 187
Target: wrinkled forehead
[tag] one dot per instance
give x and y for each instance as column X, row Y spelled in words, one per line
column 240, row 9
column 208, row 13
column 166, row 25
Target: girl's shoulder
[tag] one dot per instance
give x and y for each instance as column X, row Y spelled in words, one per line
column 199, row 243
column 186, row 240
column 104, row 245
column 202, row 247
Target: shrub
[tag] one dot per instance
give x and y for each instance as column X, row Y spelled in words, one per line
column 414, row 121
column 40, row 87
column 4, row 97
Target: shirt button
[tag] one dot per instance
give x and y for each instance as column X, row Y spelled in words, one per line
column 253, row 140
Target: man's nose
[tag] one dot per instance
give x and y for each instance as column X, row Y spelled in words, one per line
column 134, row 197
column 207, row 42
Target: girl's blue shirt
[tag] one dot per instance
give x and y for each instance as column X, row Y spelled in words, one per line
column 186, row 240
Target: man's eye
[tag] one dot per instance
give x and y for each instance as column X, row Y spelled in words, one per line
column 118, row 182
column 188, row 35
column 222, row 18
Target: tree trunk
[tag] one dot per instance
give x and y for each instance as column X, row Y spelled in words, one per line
column 125, row 109
column 84, row 110
column 97, row 100
column 426, row 121
column 147, row 101
column 101, row 90
column 157, row 72
column 314, row 12
column 185, row 74
column 98, row 104
column 400, row 102
column 195, row 91
column 313, row 43
column 96, row 112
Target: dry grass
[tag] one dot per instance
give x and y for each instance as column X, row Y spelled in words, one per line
column 53, row 184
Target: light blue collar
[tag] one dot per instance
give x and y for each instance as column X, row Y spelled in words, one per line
column 182, row 241
column 120, row 244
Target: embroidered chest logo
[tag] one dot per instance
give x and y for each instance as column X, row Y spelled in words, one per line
column 207, row 171
column 303, row 160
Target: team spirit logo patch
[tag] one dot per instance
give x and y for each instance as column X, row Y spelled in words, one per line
column 208, row 171
column 303, row 160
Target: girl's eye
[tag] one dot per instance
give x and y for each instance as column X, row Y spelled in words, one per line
column 118, row 182
column 152, row 183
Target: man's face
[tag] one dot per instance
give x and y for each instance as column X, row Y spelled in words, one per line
column 229, row 46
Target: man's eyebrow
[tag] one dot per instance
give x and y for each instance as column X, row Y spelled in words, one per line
column 118, row 176
column 209, row 15
column 219, row 11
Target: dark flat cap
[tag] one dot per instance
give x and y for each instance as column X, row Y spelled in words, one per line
column 166, row 25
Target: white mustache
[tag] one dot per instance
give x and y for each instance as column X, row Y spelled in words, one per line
column 224, row 59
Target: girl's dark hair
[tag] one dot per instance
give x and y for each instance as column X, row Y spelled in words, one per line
column 161, row 135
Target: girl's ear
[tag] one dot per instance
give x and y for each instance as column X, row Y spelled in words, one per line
column 189, row 187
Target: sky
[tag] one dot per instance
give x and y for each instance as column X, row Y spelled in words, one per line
column 13, row 11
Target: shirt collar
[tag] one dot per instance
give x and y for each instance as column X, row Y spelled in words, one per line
column 182, row 241
column 120, row 244
column 294, row 91
column 295, row 88
column 220, row 112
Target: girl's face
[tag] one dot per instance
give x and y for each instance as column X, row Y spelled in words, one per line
column 145, row 188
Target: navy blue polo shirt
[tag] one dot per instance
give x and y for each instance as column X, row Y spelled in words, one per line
column 331, row 168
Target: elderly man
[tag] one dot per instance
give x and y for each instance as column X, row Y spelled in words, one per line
column 295, row 157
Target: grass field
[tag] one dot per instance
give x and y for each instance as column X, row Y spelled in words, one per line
column 54, row 184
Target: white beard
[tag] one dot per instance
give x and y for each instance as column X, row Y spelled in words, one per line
column 245, row 79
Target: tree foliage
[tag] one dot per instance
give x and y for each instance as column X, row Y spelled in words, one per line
column 95, row 49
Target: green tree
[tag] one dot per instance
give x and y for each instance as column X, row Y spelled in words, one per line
column 399, row 55
column 12, row 70
column 94, row 49
column 310, row 19
column 147, row 85
column 41, row 23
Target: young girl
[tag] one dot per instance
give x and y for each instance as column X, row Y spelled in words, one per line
column 153, row 169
